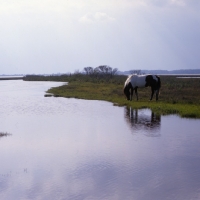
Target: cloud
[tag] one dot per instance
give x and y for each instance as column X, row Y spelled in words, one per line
column 168, row 3
column 40, row 35
column 178, row 2
column 96, row 17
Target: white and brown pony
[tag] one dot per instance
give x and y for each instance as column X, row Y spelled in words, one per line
column 134, row 82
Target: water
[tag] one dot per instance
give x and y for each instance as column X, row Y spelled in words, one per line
column 63, row 148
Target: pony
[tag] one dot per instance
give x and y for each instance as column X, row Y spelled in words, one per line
column 133, row 82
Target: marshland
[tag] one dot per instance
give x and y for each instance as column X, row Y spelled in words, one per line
column 177, row 95
column 83, row 147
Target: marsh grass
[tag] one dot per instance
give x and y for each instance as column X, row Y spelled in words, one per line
column 177, row 96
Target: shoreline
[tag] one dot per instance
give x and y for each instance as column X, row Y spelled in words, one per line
column 179, row 96
column 74, row 90
column 11, row 78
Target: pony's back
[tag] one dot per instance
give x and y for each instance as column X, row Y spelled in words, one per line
column 138, row 80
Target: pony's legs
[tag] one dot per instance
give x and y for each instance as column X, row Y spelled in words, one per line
column 157, row 93
column 136, row 93
column 131, row 95
column 152, row 93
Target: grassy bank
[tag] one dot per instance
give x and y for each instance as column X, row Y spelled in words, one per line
column 177, row 96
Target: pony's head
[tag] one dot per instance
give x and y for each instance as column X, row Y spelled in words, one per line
column 127, row 88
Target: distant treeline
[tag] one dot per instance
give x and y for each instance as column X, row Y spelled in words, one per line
column 103, row 70
column 99, row 74
column 163, row 72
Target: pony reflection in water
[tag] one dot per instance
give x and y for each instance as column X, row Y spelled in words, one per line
column 134, row 82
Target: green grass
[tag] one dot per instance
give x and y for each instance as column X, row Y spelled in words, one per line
column 177, row 96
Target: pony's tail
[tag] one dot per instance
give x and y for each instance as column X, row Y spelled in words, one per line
column 159, row 82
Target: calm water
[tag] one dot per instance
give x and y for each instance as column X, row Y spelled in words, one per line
column 77, row 149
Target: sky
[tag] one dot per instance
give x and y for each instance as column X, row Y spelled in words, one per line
column 64, row 36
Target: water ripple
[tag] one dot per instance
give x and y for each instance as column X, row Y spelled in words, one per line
column 77, row 149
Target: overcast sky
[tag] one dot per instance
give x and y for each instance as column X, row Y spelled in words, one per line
column 51, row 36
